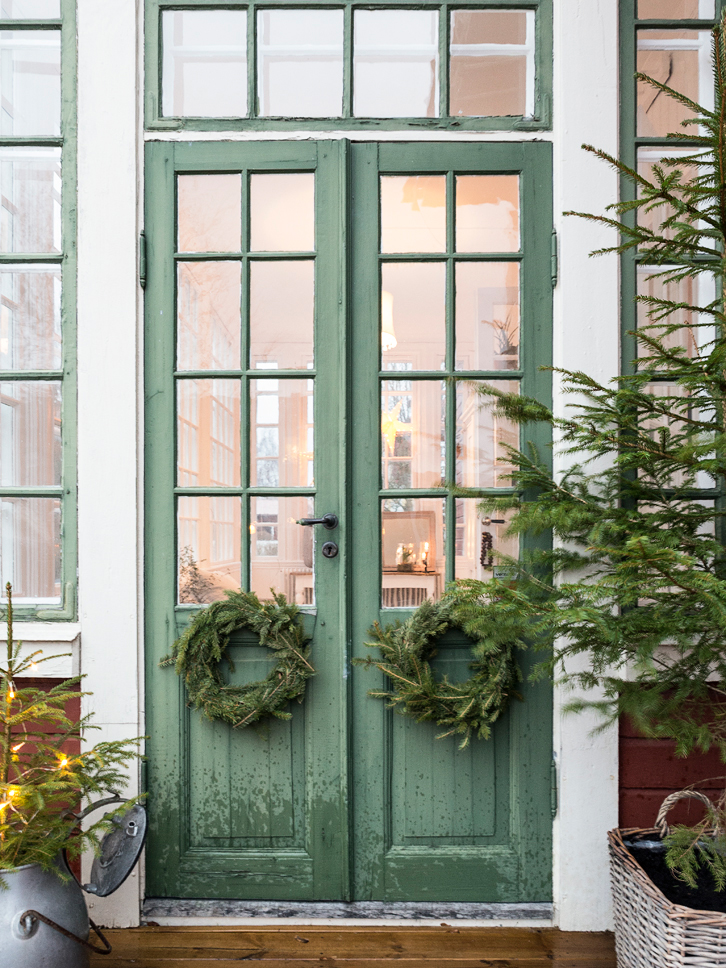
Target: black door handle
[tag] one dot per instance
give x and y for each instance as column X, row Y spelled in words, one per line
column 328, row 521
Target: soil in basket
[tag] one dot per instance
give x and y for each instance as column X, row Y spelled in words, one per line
column 703, row 897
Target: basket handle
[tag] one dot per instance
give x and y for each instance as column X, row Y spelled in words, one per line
column 671, row 800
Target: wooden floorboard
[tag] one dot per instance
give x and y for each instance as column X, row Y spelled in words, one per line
column 297, row 946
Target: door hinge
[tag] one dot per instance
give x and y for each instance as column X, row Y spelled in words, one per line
column 142, row 259
column 553, row 258
column 553, row 787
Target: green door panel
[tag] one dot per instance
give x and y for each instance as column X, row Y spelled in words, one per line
column 345, row 800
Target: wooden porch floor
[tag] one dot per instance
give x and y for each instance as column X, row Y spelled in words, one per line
column 299, row 946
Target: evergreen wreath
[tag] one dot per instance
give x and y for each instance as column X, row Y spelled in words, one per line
column 197, row 653
column 463, row 708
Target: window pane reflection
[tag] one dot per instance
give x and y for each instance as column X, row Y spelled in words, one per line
column 30, row 82
column 300, row 63
column 682, row 60
column 30, row 433
column 413, row 559
column 396, row 63
column 487, row 316
column 647, row 157
column 412, row 433
column 492, row 63
column 413, row 315
column 30, row 185
column 30, row 317
column 695, row 330
column 282, row 309
column 208, row 432
column 676, row 9
column 30, row 9
column 487, row 213
column 478, row 540
column 281, row 433
column 413, row 213
column 208, row 543
column 30, row 550
column 209, row 213
column 281, row 550
column 204, row 72
column 208, row 315
column 282, row 212
column 481, row 459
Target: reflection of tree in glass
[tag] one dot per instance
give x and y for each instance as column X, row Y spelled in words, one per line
column 194, row 587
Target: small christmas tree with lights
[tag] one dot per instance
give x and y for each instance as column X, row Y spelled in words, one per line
column 44, row 779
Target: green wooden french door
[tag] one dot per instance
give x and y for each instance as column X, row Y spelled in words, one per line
column 316, row 317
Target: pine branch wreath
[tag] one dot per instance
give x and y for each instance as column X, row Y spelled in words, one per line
column 461, row 708
column 198, row 652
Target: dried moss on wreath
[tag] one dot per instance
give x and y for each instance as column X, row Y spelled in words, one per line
column 198, row 652
column 461, row 708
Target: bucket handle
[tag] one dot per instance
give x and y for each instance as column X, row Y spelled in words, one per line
column 671, row 800
column 36, row 916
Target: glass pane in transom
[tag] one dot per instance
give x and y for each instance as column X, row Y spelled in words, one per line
column 676, row 9
column 300, row 63
column 396, row 63
column 413, row 213
column 282, row 212
column 413, row 557
column 281, row 432
column 492, row 63
column 204, row 72
column 282, row 309
column 487, row 213
column 281, row 550
column 412, row 433
column 208, row 548
column 413, row 315
column 209, row 213
column 681, row 59
column 487, row 316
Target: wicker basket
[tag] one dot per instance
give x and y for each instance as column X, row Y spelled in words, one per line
column 651, row 931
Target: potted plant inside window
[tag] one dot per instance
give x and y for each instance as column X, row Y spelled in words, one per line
column 45, row 781
column 636, row 579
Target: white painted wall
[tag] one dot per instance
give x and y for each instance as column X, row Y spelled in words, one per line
column 109, row 327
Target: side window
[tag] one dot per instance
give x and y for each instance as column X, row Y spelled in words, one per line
column 37, row 383
column 473, row 64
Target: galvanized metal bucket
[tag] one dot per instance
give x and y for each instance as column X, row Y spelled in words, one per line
column 28, row 942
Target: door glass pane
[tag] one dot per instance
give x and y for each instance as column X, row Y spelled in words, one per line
column 208, row 432
column 208, row 315
column 481, row 460
column 695, row 330
column 396, row 63
column 282, row 301
column 413, row 315
column 282, row 212
column 487, row 316
column 413, row 213
column 29, row 10
column 30, row 185
column 487, row 213
column 204, row 72
column 281, row 550
column 30, row 549
column 492, row 63
column 412, row 433
column 300, row 63
column 478, row 539
column 682, row 60
column 30, row 82
column 209, row 215
column 208, row 542
column 281, row 433
column 30, row 317
column 30, row 433
column 413, row 560
column 676, row 9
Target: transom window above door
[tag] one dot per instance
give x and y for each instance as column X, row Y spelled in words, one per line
column 252, row 65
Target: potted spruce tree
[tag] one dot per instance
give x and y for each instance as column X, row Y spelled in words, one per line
column 44, row 784
column 636, row 580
